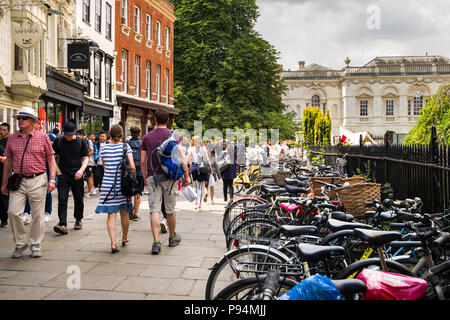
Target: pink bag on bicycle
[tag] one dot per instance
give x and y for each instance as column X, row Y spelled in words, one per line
column 391, row 286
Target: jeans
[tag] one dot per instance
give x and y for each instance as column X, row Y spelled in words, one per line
column 67, row 182
column 228, row 188
column 4, row 207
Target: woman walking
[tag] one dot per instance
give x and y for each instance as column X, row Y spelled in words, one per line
column 197, row 155
column 111, row 199
column 229, row 174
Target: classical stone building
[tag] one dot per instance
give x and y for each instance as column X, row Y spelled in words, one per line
column 386, row 94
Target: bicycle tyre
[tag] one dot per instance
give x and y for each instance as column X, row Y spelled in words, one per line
column 244, row 217
column 224, row 270
column 254, row 286
column 236, row 208
column 258, row 228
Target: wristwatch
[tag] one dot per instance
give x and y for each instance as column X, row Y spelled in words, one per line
column 52, row 181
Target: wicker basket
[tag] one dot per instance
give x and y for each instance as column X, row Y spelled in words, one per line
column 279, row 177
column 356, row 195
column 317, row 187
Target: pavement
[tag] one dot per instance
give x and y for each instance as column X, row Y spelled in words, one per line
column 80, row 265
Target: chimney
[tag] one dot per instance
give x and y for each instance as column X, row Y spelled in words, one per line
column 301, row 65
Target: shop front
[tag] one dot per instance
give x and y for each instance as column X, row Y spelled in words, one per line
column 140, row 112
column 96, row 115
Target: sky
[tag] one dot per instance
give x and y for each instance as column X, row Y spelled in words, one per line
column 327, row 31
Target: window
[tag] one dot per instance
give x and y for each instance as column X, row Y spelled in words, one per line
column 148, row 27
column 315, row 101
column 124, row 12
column 97, row 76
column 167, row 85
column 137, row 19
column 389, row 107
column 148, row 74
column 108, row 65
column 18, row 58
column 158, row 83
column 418, row 104
column 98, row 15
column 409, row 107
column 137, row 70
column 86, row 9
column 167, row 39
column 158, row 33
column 124, row 70
column 364, row 108
column 108, row 21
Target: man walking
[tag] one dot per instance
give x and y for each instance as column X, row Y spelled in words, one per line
column 26, row 152
column 135, row 144
column 72, row 153
column 156, row 190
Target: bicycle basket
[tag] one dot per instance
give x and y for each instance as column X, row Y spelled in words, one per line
column 356, row 195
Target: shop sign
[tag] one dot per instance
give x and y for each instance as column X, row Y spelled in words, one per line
column 78, row 56
column 26, row 34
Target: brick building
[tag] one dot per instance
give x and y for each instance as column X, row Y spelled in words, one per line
column 144, row 61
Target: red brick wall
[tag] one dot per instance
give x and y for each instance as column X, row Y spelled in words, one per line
column 128, row 42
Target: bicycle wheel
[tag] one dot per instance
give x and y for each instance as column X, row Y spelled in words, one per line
column 243, row 263
column 257, row 231
column 244, row 217
column 236, row 208
column 246, row 289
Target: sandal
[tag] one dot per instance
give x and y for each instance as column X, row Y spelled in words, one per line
column 114, row 248
column 60, row 229
column 124, row 242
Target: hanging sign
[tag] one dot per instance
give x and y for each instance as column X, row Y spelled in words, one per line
column 26, row 34
column 78, row 56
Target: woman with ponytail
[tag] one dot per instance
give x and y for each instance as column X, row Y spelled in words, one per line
column 111, row 199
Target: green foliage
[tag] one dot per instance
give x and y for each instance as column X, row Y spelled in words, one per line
column 436, row 113
column 225, row 73
column 367, row 173
column 316, row 126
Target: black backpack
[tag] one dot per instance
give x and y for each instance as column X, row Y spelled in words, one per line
column 128, row 183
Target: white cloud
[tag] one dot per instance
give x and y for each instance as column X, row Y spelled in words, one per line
column 326, row 32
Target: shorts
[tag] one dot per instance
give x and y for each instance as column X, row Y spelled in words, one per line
column 156, row 192
column 140, row 180
column 89, row 171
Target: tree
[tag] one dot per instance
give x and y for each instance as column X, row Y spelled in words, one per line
column 225, row 73
column 436, row 113
column 310, row 114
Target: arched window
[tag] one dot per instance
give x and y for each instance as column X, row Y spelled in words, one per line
column 315, row 101
column 418, row 103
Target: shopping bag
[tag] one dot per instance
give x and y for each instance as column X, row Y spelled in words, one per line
column 189, row 193
column 316, row 287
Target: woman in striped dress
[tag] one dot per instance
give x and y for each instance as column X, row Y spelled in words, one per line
column 111, row 199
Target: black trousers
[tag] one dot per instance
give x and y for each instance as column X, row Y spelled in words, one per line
column 98, row 175
column 67, row 182
column 4, row 207
column 228, row 188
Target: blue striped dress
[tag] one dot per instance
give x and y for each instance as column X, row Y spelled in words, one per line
column 112, row 155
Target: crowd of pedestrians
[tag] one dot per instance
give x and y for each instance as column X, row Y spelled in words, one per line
column 34, row 163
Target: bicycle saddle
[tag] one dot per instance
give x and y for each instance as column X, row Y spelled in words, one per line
column 295, row 182
column 342, row 216
column 271, row 189
column 350, row 286
column 312, row 253
column 294, row 231
column 337, row 225
column 295, row 190
column 289, row 206
column 376, row 237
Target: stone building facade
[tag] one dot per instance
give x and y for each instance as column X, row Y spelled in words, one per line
column 386, row 94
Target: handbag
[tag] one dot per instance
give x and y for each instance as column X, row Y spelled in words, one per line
column 15, row 179
column 129, row 185
column 225, row 163
column 189, row 193
column 203, row 166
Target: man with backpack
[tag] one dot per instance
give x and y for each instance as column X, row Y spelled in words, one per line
column 160, row 184
column 72, row 153
column 135, row 144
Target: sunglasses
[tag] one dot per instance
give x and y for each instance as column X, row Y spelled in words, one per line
column 23, row 118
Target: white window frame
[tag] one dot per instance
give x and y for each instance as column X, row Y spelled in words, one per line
column 108, row 21
column 167, row 34
column 98, row 15
column 97, row 77
column 148, row 74
column 167, row 85
column 158, row 82
column 417, row 104
column 124, row 70
column 148, row 27
column 137, row 75
column 137, row 19
column 86, row 10
column 390, row 103
column 158, row 33
column 124, row 13
column 108, row 75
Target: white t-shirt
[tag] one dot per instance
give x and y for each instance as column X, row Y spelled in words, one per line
column 194, row 155
column 91, row 158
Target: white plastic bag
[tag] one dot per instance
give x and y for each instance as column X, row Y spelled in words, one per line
column 189, row 193
column 212, row 181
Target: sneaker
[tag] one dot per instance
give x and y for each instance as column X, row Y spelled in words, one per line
column 205, row 199
column 60, row 229
column 88, row 195
column 94, row 191
column 36, row 253
column 156, row 247
column 4, row 224
column 78, row 225
column 175, row 240
column 47, row 217
column 164, row 226
column 26, row 218
column 212, row 201
column 17, row 253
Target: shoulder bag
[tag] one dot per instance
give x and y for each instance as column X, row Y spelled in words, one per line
column 15, row 179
